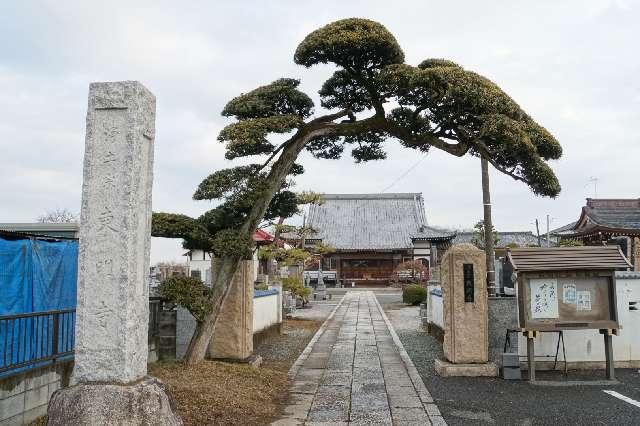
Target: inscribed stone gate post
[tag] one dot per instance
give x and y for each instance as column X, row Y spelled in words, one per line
column 113, row 263
column 464, row 286
column 112, row 311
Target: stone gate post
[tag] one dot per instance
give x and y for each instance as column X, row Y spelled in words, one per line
column 233, row 335
column 464, row 293
column 112, row 316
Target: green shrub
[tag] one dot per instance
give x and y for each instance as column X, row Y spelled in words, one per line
column 261, row 286
column 414, row 294
column 297, row 288
column 188, row 292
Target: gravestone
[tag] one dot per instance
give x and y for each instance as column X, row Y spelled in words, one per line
column 233, row 335
column 110, row 382
column 464, row 292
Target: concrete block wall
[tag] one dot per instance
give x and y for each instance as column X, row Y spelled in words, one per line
column 167, row 334
column 24, row 397
column 185, row 326
column 503, row 315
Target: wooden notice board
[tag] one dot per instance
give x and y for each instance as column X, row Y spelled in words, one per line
column 567, row 300
column 564, row 288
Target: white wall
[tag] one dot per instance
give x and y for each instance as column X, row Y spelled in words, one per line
column 588, row 345
column 201, row 261
column 435, row 314
column 265, row 312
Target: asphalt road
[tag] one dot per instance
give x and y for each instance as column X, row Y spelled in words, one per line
column 481, row 401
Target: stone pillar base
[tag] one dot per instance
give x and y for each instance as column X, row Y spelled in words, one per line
column 448, row 369
column 143, row 403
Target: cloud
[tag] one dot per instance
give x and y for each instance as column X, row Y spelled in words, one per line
column 572, row 65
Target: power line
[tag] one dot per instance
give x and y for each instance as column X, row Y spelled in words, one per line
column 405, row 173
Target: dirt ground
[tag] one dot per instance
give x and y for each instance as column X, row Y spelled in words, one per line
column 217, row 393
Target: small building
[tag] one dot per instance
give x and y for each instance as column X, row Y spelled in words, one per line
column 199, row 261
column 372, row 234
column 605, row 221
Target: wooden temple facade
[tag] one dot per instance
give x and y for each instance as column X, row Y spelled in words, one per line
column 373, row 234
column 606, row 222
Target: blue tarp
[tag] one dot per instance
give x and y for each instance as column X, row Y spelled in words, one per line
column 35, row 276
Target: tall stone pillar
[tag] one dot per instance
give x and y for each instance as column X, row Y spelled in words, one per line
column 112, row 313
column 233, row 335
column 464, row 298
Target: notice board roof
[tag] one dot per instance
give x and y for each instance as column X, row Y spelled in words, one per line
column 568, row 258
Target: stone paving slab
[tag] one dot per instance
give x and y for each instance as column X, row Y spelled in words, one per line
column 356, row 371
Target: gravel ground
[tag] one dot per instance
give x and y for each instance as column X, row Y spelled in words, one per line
column 480, row 401
column 281, row 351
column 317, row 310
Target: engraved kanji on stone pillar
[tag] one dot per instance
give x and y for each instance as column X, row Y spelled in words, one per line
column 113, row 307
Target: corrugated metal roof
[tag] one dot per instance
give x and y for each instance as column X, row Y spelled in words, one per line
column 368, row 221
column 567, row 258
column 62, row 230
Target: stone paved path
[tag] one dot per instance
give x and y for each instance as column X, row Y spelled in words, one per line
column 355, row 371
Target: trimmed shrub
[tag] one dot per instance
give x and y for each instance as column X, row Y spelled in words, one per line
column 297, row 288
column 414, row 294
column 188, row 292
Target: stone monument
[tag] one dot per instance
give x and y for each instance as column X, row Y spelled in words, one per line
column 321, row 288
column 464, row 293
column 233, row 335
column 112, row 314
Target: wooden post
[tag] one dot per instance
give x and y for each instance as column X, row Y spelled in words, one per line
column 488, row 229
column 531, row 356
column 608, row 353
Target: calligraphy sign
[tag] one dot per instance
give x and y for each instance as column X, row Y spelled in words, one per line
column 544, row 298
column 469, row 283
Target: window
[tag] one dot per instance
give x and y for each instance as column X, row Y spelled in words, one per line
column 329, row 263
column 196, row 274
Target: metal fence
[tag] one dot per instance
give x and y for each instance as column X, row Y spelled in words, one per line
column 27, row 340
column 36, row 337
column 155, row 306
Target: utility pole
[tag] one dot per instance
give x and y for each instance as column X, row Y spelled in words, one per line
column 538, row 232
column 488, row 229
column 547, row 230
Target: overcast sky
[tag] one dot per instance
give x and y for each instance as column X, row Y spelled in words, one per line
column 573, row 65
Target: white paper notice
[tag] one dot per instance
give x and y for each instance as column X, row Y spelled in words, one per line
column 569, row 293
column 584, row 300
column 544, row 297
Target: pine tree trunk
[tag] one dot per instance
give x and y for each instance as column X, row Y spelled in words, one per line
column 488, row 229
column 226, row 266
column 197, row 349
